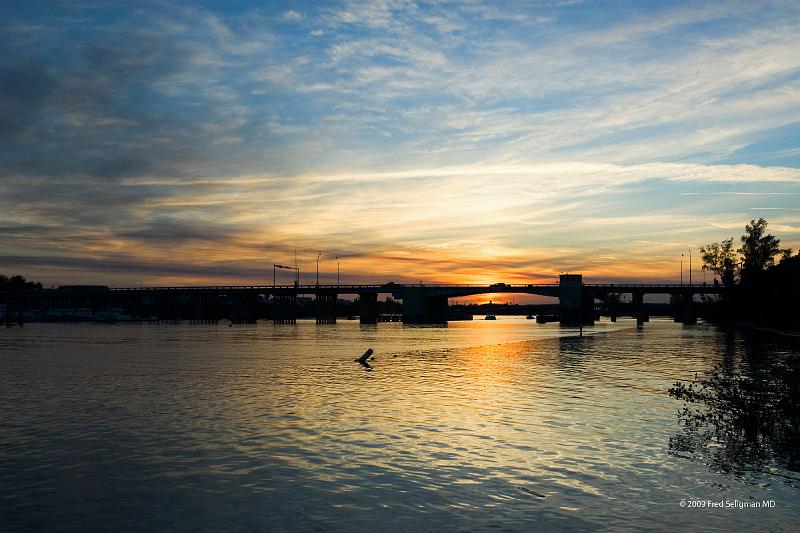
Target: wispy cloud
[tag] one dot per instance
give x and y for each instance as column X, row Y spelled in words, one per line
column 418, row 141
column 452, row 222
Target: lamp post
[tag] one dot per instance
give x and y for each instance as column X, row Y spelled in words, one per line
column 690, row 267
column 296, row 269
column 681, row 270
column 319, row 254
column 337, row 270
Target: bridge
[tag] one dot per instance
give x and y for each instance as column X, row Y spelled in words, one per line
column 422, row 303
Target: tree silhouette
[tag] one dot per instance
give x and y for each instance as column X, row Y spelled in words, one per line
column 758, row 250
column 720, row 259
column 763, row 292
column 17, row 282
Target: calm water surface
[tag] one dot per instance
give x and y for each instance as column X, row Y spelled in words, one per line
column 504, row 425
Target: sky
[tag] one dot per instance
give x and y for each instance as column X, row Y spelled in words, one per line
column 166, row 143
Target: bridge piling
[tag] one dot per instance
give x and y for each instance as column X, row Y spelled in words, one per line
column 684, row 309
column 639, row 309
column 284, row 309
column 587, row 308
column 420, row 307
column 326, row 308
column 368, row 307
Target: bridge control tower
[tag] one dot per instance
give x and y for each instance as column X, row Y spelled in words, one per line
column 577, row 303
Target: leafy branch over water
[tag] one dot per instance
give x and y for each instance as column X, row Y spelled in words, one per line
column 741, row 423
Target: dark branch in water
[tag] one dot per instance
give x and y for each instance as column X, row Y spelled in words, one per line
column 742, row 422
column 363, row 359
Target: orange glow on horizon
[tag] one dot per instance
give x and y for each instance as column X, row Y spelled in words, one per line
column 243, row 267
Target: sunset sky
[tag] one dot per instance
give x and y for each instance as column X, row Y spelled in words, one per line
column 159, row 143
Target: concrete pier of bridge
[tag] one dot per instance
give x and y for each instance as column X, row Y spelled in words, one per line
column 639, row 309
column 684, row 310
column 284, row 308
column 422, row 307
column 325, row 308
column 368, row 307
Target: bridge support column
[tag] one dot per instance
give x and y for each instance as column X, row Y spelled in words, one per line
column 587, row 308
column 675, row 307
column 284, row 308
column 420, row 308
column 576, row 305
column 611, row 303
column 639, row 309
column 683, row 309
column 368, row 307
column 171, row 307
column 326, row 308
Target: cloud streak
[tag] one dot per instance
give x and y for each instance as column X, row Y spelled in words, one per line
column 468, row 223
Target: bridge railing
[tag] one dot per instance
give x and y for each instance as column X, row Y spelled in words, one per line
column 247, row 287
column 658, row 285
column 390, row 286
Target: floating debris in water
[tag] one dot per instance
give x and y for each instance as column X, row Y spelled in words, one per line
column 532, row 492
column 363, row 359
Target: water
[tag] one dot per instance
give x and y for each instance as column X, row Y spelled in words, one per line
column 504, row 425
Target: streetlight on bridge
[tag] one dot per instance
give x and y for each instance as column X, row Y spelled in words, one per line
column 319, row 254
column 296, row 269
column 337, row 270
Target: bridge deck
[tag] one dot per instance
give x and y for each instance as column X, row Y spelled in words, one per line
column 392, row 286
column 440, row 288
